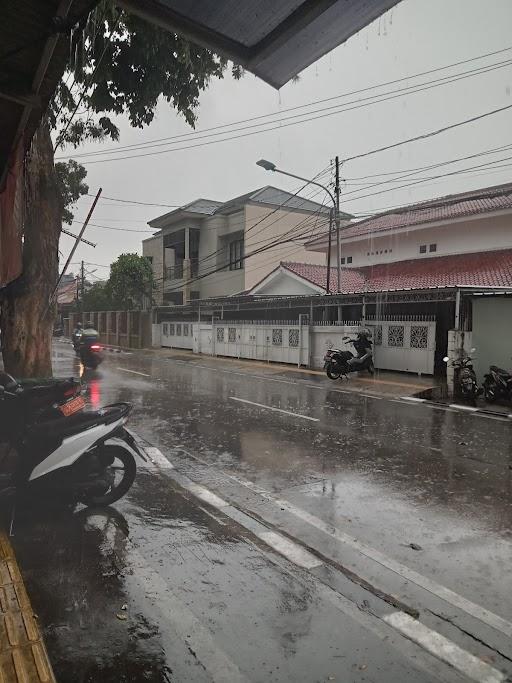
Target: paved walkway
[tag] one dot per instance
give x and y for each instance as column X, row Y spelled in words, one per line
column 23, row 655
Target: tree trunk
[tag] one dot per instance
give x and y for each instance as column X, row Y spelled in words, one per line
column 26, row 317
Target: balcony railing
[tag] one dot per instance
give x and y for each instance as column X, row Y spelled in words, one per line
column 177, row 271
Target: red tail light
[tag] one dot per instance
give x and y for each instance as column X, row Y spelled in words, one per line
column 95, row 347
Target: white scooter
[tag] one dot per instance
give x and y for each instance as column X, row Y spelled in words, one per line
column 70, row 455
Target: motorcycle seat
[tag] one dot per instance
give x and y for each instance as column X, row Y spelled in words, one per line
column 79, row 422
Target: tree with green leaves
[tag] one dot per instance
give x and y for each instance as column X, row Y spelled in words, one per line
column 119, row 65
column 97, row 297
column 130, row 284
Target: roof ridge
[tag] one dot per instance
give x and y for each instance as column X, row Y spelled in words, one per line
column 444, row 200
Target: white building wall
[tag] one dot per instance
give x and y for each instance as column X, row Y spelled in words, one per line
column 459, row 237
column 285, row 285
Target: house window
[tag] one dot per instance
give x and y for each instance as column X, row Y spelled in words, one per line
column 171, row 329
column 236, row 255
column 423, row 249
column 185, row 330
column 178, row 329
column 342, row 260
column 385, row 251
column 349, row 259
column 432, row 247
column 368, row 254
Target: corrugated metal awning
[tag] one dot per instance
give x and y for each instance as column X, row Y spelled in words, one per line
column 273, row 40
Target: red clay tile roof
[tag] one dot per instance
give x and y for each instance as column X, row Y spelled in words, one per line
column 446, row 208
column 489, row 269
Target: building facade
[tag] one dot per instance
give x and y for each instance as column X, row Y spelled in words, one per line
column 211, row 249
column 465, row 223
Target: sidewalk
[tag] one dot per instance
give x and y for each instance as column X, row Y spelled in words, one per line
column 23, row 656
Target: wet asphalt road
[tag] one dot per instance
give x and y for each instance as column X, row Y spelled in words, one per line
column 298, row 531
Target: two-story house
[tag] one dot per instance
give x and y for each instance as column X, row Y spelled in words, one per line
column 209, row 248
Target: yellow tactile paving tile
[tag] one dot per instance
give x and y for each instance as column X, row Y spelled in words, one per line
column 23, row 656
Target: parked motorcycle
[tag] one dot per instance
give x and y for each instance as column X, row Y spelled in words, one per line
column 63, row 452
column 466, row 385
column 337, row 363
column 497, row 384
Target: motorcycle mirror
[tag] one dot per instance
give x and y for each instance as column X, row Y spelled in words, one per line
column 446, row 359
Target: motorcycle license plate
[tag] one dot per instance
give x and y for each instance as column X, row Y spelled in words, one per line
column 72, row 406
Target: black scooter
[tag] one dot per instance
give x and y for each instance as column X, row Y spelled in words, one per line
column 337, row 362
column 497, row 384
column 466, row 385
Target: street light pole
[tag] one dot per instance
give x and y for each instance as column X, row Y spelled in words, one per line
column 269, row 166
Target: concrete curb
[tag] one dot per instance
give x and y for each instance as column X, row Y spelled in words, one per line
column 457, row 406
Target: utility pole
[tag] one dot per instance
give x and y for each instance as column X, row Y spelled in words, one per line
column 329, row 245
column 337, row 219
column 82, row 290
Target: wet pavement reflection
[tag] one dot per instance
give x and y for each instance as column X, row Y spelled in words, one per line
column 429, row 487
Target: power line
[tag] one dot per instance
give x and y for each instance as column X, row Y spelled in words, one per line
column 422, row 168
column 131, row 201
column 401, row 93
column 149, row 143
column 432, row 166
column 424, row 136
column 442, row 175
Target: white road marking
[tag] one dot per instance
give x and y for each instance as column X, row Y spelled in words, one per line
column 276, row 410
column 284, row 546
column 458, row 406
column 444, row 649
column 180, row 622
column 413, row 399
column 206, row 495
column 446, row 594
column 157, row 457
column 292, row 551
column 134, row 372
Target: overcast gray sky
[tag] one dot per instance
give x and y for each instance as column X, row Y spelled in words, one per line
column 413, row 37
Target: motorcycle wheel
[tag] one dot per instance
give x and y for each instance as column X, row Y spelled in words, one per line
column 371, row 369
column 489, row 394
column 122, row 463
column 331, row 373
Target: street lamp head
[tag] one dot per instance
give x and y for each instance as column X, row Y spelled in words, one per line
column 267, row 165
